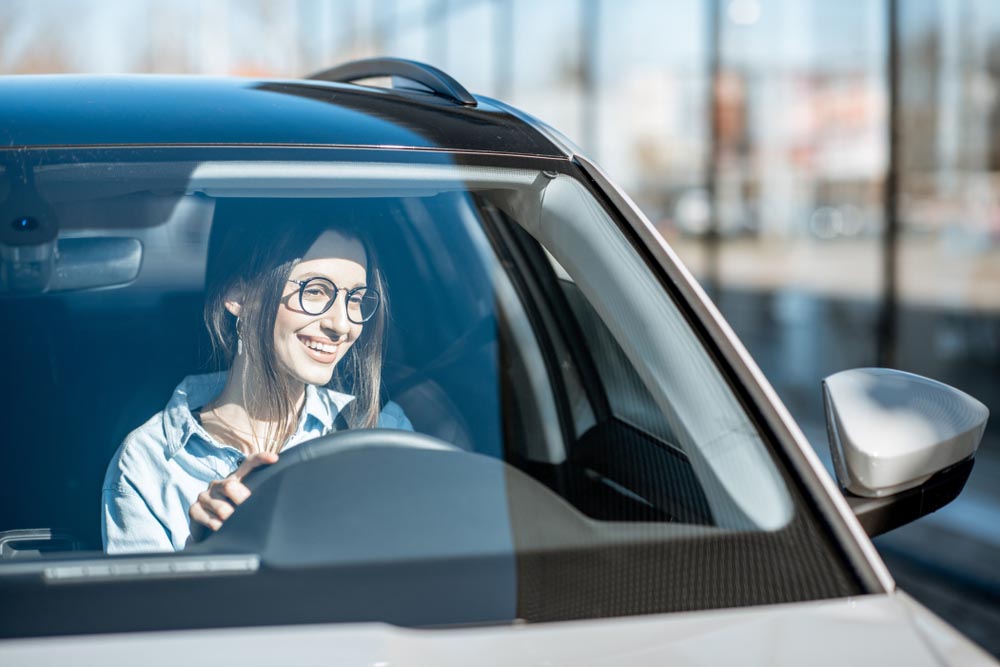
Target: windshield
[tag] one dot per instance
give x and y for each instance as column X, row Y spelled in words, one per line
column 519, row 421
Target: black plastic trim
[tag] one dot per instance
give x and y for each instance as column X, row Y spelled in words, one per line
column 880, row 515
column 426, row 75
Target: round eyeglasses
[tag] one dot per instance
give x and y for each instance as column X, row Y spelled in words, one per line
column 317, row 295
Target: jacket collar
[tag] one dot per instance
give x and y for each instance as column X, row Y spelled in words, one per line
column 319, row 411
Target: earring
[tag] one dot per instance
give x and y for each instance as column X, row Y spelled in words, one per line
column 239, row 337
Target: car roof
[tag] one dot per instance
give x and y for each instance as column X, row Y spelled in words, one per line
column 96, row 110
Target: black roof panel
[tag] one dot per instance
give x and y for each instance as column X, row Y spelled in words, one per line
column 73, row 110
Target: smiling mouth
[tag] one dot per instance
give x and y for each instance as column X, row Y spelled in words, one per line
column 319, row 346
column 322, row 351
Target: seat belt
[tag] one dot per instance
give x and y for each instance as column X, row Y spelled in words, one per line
column 340, row 422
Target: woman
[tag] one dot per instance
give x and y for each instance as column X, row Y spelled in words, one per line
column 297, row 311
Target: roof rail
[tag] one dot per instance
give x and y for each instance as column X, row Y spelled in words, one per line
column 427, row 76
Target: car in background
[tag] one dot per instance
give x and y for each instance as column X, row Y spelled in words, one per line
column 599, row 473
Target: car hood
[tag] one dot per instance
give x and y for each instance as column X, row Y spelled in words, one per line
column 866, row 630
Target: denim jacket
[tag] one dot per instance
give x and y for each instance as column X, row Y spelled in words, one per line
column 162, row 466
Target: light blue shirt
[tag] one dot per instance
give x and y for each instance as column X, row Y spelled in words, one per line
column 162, row 466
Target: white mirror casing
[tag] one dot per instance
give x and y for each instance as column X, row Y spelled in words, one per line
column 891, row 431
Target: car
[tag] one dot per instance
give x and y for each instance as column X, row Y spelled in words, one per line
column 591, row 468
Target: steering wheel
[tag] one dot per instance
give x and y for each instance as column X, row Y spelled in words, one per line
column 332, row 445
column 344, row 441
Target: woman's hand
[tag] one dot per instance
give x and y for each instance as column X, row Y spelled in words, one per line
column 216, row 503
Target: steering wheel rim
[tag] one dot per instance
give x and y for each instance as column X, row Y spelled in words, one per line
column 345, row 441
column 330, row 445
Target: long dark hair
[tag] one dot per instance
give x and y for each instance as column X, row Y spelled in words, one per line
column 254, row 246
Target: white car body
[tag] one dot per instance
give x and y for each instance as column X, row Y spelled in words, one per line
column 867, row 630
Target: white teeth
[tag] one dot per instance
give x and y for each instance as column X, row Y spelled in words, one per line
column 320, row 347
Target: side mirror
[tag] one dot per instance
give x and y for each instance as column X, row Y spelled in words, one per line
column 902, row 444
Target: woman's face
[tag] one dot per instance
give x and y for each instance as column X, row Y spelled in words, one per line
column 310, row 346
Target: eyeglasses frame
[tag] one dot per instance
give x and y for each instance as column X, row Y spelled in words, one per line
column 336, row 293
